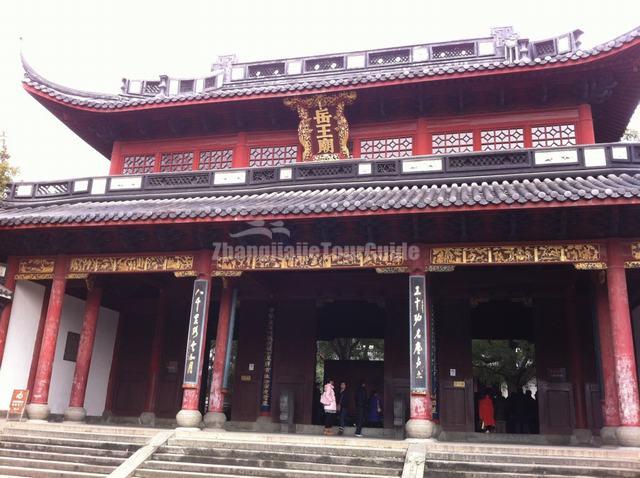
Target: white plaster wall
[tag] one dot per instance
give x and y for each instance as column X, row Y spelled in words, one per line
column 21, row 337
column 62, row 376
column 23, row 326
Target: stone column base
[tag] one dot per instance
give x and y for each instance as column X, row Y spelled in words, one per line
column 420, row 428
column 148, row 419
column 38, row 411
column 608, row 436
column 628, row 436
column 189, row 419
column 264, row 423
column 215, row 420
column 75, row 414
column 581, row 436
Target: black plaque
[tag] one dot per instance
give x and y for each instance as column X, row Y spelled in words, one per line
column 195, row 339
column 418, row 338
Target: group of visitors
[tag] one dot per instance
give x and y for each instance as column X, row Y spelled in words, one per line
column 517, row 413
column 339, row 404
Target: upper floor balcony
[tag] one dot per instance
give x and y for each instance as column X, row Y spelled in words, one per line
column 468, row 167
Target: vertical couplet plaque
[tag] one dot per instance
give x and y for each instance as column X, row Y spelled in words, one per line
column 195, row 340
column 418, row 338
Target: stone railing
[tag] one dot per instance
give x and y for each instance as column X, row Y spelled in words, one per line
column 468, row 167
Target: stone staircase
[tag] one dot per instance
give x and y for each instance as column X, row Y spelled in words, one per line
column 258, row 455
column 464, row 460
column 48, row 450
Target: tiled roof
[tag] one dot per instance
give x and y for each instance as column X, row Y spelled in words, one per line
column 301, row 202
column 323, row 80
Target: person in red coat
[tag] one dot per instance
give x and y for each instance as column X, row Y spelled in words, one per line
column 486, row 412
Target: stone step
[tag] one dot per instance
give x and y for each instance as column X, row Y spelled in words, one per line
column 61, row 441
column 364, row 459
column 70, row 457
column 517, row 469
column 283, row 463
column 500, row 449
column 183, row 469
column 12, row 471
column 89, row 434
column 476, row 474
column 54, row 465
column 344, row 448
column 144, row 473
column 9, row 445
column 535, row 459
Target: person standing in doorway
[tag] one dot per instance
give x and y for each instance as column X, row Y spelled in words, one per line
column 328, row 400
column 343, row 406
column 486, row 412
column 375, row 410
column 361, row 405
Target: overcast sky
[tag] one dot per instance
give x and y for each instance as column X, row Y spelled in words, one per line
column 91, row 45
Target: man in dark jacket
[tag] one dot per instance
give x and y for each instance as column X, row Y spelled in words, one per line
column 343, row 406
column 361, row 406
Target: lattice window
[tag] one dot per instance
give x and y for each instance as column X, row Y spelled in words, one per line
column 272, row 155
column 555, row 135
column 176, row 162
column 151, row 88
column 216, row 159
column 453, row 51
column 389, row 57
column 446, row 143
column 497, row 139
column 323, row 64
column 386, row 148
column 545, row 48
column 210, row 82
column 139, row 164
column 186, row 86
column 270, row 69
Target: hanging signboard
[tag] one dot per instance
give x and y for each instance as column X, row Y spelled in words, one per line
column 17, row 404
column 195, row 339
column 323, row 130
column 419, row 345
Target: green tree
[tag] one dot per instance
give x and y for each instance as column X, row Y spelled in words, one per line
column 504, row 361
column 6, row 170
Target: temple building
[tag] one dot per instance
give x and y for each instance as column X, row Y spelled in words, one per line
column 419, row 218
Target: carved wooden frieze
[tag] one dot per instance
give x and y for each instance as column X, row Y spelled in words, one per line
column 108, row 264
column 527, row 254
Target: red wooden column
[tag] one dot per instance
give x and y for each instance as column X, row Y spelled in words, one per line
column 189, row 416
column 585, row 134
column 610, row 409
column 38, row 409
column 215, row 417
column 76, row 411
column 581, row 432
column 628, row 433
column 147, row 417
column 423, row 139
column 38, row 342
column 5, row 315
column 241, row 152
column 420, row 424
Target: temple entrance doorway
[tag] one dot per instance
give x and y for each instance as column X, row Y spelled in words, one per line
column 350, row 349
column 504, row 366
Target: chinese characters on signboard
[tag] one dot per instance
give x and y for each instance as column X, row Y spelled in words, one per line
column 195, row 340
column 418, row 338
column 17, row 404
column 265, row 404
column 323, row 130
